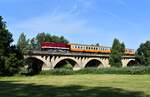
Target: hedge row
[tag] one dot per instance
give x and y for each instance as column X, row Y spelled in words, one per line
column 111, row 70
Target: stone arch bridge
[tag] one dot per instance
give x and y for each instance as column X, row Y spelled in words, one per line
column 77, row 60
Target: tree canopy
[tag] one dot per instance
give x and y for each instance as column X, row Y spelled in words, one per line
column 143, row 54
column 23, row 43
column 5, row 38
column 117, row 51
column 10, row 57
column 46, row 37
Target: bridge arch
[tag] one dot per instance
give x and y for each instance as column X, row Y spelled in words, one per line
column 67, row 60
column 34, row 65
column 126, row 62
column 93, row 62
column 131, row 62
column 38, row 59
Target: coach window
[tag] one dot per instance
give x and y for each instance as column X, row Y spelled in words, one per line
column 86, row 47
column 89, row 48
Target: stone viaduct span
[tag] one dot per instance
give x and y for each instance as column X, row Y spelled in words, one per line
column 77, row 60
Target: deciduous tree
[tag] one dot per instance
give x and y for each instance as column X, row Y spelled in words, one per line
column 10, row 57
column 143, row 54
column 23, row 43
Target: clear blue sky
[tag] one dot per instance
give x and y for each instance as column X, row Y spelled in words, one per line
column 80, row 21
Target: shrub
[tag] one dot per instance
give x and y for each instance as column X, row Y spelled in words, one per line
column 58, row 72
column 111, row 70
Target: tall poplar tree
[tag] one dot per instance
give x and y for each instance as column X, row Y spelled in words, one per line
column 117, row 52
column 23, row 43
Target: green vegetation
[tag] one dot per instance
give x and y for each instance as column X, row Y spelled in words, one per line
column 46, row 37
column 112, row 70
column 23, row 43
column 117, row 51
column 143, row 54
column 76, row 86
column 10, row 56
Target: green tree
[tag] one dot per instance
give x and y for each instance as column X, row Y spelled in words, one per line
column 143, row 54
column 46, row 37
column 63, row 39
column 5, row 38
column 10, row 56
column 117, row 52
column 23, row 43
column 13, row 62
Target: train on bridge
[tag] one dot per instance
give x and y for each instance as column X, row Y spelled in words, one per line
column 80, row 48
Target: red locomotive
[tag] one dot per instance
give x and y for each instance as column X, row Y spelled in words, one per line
column 54, row 45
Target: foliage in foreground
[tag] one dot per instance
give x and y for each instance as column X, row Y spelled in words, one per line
column 111, row 70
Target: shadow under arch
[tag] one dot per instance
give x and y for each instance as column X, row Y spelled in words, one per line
column 66, row 63
column 132, row 63
column 34, row 65
column 93, row 63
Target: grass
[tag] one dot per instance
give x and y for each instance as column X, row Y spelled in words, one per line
column 87, row 85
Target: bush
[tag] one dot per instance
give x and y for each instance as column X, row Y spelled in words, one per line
column 67, row 66
column 58, row 72
column 111, row 70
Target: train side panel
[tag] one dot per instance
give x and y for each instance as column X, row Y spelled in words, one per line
column 53, row 45
column 89, row 49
